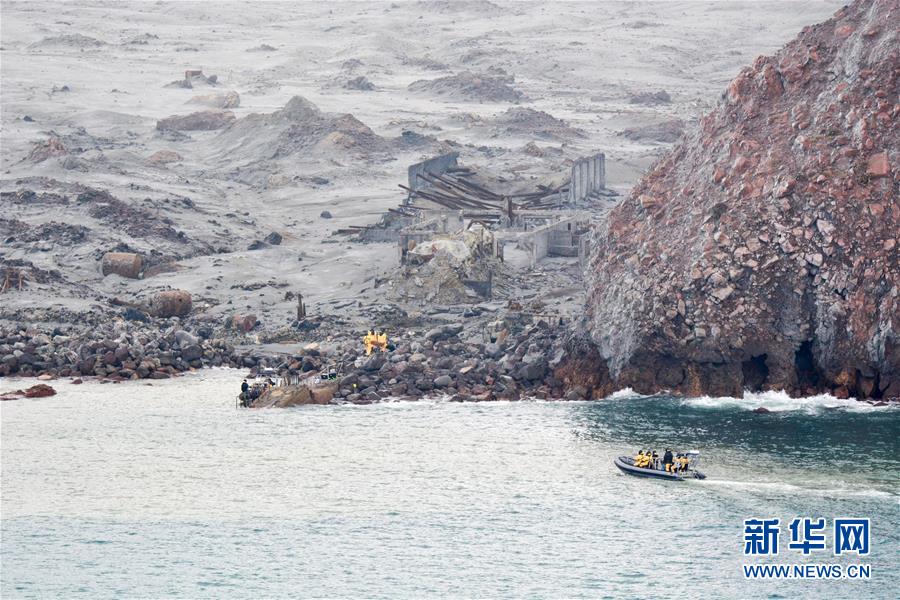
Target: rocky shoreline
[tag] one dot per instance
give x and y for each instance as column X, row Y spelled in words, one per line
column 444, row 359
column 527, row 360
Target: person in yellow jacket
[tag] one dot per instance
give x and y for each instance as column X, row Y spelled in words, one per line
column 683, row 461
column 382, row 341
column 639, row 458
column 370, row 340
column 645, row 461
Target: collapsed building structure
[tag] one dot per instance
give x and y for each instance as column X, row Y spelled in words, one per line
column 452, row 218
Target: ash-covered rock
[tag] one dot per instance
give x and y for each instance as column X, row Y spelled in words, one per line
column 205, row 120
column 666, row 132
column 299, row 127
column 68, row 40
column 659, row 97
column 218, row 100
column 534, row 123
column 360, row 83
column 468, row 86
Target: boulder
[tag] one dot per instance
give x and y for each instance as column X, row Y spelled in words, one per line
column 374, row 362
column 192, row 352
column 243, row 323
column 323, row 393
column 124, row 264
column 184, row 338
column 41, row 390
column 133, row 314
column 294, row 395
column 443, row 381
column 443, row 332
column 532, row 371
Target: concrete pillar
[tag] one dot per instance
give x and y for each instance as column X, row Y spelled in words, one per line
column 572, row 186
column 592, row 174
column 602, row 170
column 587, row 177
column 581, row 180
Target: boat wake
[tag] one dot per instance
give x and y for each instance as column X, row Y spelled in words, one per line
column 790, row 489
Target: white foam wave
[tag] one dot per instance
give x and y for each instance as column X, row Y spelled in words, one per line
column 781, row 402
column 624, row 394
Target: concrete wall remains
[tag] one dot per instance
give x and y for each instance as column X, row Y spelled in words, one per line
column 437, row 165
column 555, row 239
column 588, row 175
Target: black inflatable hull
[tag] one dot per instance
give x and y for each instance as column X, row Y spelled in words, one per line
column 625, row 465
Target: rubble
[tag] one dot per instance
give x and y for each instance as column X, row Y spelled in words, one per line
column 45, row 236
column 136, row 222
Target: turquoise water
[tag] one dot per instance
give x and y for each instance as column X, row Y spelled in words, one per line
column 165, row 490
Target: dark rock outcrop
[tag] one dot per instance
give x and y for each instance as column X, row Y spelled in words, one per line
column 761, row 252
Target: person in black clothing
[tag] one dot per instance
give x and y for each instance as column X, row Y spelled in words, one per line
column 244, row 387
column 667, row 460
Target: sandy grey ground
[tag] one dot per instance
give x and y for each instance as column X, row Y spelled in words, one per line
column 95, row 76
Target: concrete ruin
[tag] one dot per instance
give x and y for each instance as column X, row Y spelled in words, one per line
column 588, row 178
column 437, row 165
column 565, row 237
column 453, row 232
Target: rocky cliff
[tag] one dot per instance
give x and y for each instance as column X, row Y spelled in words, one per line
column 762, row 251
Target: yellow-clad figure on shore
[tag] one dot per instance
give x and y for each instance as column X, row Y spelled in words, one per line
column 382, row 341
column 370, row 340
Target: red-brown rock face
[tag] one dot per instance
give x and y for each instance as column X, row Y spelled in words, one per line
column 762, row 252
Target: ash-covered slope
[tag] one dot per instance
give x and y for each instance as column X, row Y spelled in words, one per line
column 762, row 251
column 297, row 129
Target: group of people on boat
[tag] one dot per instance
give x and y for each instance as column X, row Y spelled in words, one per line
column 375, row 341
column 671, row 462
column 249, row 393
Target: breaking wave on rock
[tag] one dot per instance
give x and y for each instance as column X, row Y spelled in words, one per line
column 778, row 402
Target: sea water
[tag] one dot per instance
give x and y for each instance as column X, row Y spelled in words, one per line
column 166, row 489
